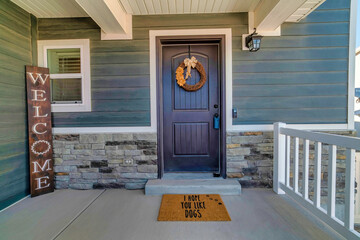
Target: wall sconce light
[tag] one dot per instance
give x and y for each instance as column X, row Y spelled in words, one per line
column 253, row 41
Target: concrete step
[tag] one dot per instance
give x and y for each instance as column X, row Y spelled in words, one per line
column 193, row 186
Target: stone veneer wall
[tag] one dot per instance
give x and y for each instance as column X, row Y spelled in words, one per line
column 86, row 161
column 250, row 158
column 128, row 160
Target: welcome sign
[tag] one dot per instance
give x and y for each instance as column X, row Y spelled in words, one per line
column 40, row 135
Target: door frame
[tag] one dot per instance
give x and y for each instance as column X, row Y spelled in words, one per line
column 168, row 40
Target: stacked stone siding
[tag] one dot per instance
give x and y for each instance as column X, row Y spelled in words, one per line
column 128, row 160
column 89, row 161
column 250, row 158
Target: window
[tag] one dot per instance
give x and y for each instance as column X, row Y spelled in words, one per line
column 69, row 65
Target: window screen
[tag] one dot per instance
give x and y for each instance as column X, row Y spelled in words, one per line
column 65, row 70
column 64, row 60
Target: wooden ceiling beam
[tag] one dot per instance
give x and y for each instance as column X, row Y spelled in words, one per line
column 270, row 14
column 114, row 22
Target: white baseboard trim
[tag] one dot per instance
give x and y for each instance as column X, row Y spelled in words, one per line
column 269, row 127
column 233, row 128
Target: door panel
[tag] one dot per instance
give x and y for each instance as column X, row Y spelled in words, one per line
column 190, row 141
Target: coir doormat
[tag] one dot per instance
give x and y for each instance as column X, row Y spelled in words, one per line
column 193, row 207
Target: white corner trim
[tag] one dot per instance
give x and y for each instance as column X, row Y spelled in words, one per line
column 90, row 130
column 85, row 75
column 192, row 32
column 351, row 69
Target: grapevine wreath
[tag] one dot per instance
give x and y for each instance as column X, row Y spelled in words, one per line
column 190, row 63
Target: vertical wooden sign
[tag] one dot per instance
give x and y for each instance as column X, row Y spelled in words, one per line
column 40, row 135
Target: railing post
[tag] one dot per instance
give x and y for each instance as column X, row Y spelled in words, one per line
column 287, row 160
column 279, row 158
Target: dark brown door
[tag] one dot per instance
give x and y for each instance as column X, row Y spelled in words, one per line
column 191, row 143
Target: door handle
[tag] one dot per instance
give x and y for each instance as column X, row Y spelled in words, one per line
column 216, row 121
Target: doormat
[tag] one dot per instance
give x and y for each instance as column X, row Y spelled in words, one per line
column 193, row 207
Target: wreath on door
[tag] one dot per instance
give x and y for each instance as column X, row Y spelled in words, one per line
column 190, row 63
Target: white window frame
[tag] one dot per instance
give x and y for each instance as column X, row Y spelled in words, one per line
column 84, row 45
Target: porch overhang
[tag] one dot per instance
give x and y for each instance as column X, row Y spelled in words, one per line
column 269, row 15
column 114, row 22
column 115, row 16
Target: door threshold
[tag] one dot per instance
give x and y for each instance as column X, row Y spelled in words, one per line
column 192, row 175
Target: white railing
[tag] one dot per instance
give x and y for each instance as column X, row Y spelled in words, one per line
column 282, row 165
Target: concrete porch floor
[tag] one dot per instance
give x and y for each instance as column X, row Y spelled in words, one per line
column 130, row 215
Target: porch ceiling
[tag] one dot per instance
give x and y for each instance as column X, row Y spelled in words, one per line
column 70, row 8
column 52, row 8
column 114, row 16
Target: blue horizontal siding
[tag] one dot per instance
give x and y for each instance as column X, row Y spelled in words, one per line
column 295, row 116
column 15, row 53
column 305, row 41
column 264, row 102
column 290, row 65
column 303, row 71
column 339, row 15
column 328, row 28
column 300, row 77
column 271, row 54
column 334, row 4
column 290, row 78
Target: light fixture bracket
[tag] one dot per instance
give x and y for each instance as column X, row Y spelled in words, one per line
column 253, row 41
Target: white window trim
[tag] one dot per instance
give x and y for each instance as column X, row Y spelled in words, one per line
column 84, row 45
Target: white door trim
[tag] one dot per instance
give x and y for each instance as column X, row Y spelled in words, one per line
column 191, row 32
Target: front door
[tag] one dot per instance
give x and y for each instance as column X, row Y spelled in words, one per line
column 190, row 140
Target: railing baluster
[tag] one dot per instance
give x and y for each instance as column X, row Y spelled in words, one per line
column 282, row 171
column 349, row 188
column 305, row 179
column 317, row 175
column 287, row 179
column 296, row 164
column 331, row 181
